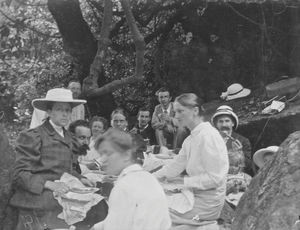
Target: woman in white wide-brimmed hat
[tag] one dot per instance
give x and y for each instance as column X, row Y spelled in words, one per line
column 43, row 155
column 262, row 156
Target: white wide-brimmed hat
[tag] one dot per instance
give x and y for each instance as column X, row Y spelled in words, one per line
column 225, row 110
column 56, row 95
column 235, row 91
column 258, row 156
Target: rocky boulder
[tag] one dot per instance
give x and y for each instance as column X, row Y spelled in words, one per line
column 272, row 201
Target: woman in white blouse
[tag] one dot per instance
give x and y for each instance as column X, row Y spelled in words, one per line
column 137, row 201
column 204, row 158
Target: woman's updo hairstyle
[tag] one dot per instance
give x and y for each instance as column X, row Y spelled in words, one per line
column 119, row 111
column 121, row 140
column 190, row 100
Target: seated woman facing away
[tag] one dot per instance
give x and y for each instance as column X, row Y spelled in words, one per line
column 204, row 158
column 137, row 201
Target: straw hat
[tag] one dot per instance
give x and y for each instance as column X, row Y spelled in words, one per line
column 225, row 110
column 258, row 156
column 56, row 95
column 235, row 91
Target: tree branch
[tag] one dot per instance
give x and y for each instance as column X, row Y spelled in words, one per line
column 21, row 23
column 140, row 49
column 90, row 82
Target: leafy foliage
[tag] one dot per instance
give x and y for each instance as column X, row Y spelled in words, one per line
column 32, row 60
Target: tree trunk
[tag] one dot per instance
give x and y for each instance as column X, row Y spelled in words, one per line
column 80, row 43
column 78, row 40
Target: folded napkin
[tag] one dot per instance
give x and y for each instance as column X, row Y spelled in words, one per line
column 78, row 201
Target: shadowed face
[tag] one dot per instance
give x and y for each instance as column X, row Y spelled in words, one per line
column 268, row 156
column 75, row 87
column 97, row 128
column 224, row 123
column 114, row 159
column 83, row 135
column 119, row 121
column 164, row 98
column 60, row 113
column 185, row 115
column 143, row 118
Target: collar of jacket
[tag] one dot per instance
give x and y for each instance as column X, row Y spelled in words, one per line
column 67, row 139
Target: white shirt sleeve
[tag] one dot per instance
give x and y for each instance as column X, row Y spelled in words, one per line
column 175, row 167
column 212, row 157
column 121, row 211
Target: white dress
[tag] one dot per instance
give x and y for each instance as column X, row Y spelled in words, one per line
column 205, row 159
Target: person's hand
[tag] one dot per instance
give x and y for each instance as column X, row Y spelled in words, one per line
column 109, row 179
column 237, row 145
column 159, row 125
column 175, row 180
column 133, row 130
column 87, row 182
column 165, row 117
column 161, row 179
column 58, row 187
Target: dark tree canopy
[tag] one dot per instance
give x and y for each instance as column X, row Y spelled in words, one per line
column 190, row 46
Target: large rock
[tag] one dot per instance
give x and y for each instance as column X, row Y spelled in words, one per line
column 272, row 201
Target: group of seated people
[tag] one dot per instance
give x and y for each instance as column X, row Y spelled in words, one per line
column 211, row 155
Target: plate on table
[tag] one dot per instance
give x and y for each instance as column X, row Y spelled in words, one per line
column 165, row 156
column 97, row 172
column 84, row 190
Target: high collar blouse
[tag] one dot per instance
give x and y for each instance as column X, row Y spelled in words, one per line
column 137, row 202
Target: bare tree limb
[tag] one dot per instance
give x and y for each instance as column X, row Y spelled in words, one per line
column 140, row 49
column 90, row 82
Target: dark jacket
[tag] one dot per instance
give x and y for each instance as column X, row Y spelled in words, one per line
column 42, row 154
column 147, row 133
column 246, row 151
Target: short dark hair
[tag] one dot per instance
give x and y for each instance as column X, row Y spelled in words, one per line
column 162, row 89
column 144, row 109
column 121, row 140
column 78, row 123
column 118, row 110
column 101, row 119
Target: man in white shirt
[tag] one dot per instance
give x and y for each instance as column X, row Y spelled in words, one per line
column 163, row 121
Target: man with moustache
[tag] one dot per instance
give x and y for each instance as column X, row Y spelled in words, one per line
column 82, row 133
column 226, row 121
